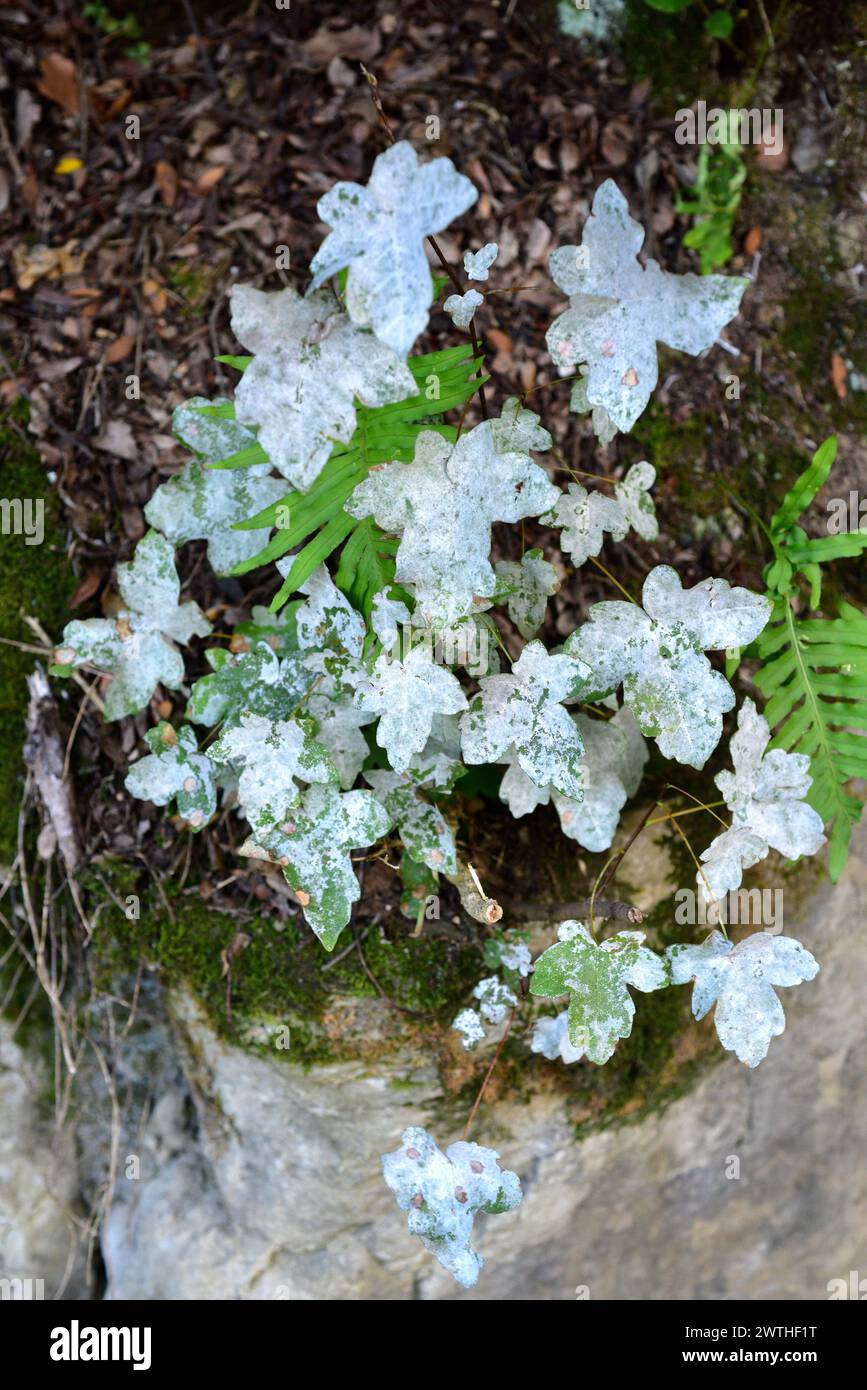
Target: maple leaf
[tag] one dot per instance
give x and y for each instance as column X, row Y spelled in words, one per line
column 522, row 708
column 478, row 263
column 138, row 645
column 551, row 1038
column 312, row 846
column 740, row 980
column 201, row 503
column 527, row 586
column 424, row 831
column 585, row 515
column 310, row 364
column 444, row 503
column 596, row 975
column 379, row 233
column 657, row 653
column 271, row 754
column 175, row 770
column 462, row 307
column 406, row 695
column 620, row 310
column 442, row 1192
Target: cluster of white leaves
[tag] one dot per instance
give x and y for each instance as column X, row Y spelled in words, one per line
column 551, row 1037
column 522, row 710
column 495, row 998
column 378, row 232
column 657, row 654
column 137, row 646
column 442, row 1192
column 444, row 503
column 461, row 308
column 477, row 264
column 620, row 310
column 468, row 1022
column 310, row 364
column 514, row 955
column 765, row 795
column 201, row 503
column 740, row 980
column 595, row 975
column 526, row 586
column 613, row 761
column 175, row 770
column 585, row 515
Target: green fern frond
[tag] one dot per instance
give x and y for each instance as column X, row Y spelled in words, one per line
column 814, row 677
column 814, row 669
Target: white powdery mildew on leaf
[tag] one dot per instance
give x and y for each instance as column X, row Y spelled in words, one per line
column 406, row 695
column 379, row 233
column 615, row 753
column 658, row 655
column 495, row 998
column 426, row 834
column 522, row 708
column 135, row 646
column 469, row 1023
column 603, row 426
column 724, row 861
column 551, row 1038
column 387, row 617
column 478, row 263
column 439, row 762
column 740, row 980
column 461, row 308
column 310, row 363
column 338, row 728
column 765, row 795
column 585, row 515
column 620, row 310
column 528, row 586
column 271, row 755
column 255, row 681
column 444, row 503
column 326, row 618
column 201, row 503
column 442, row 1192
column 313, row 847
column 175, row 769
column 596, row 975
column 514, row 955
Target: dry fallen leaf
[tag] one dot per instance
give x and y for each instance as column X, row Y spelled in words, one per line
column 34, row 263
column 120, row 348
column 60, row 82
column 166, row 181
column 838, row 375
column 753, row 240
column 210, row 178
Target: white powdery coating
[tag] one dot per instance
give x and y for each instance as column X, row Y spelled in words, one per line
column 596, row 975
column 387, row 617
column 724, row 861
column 739, row 980
column 765, row 795
column 495, row 999
column 443, row 504
column 310, row 364
column 478, row 263
column 313, row 846
column 326, row 617
column 469, row 1023
column 201, row 503
column 426, row 835
column 255, row 681
column 514, row 955
column 461, row 307
column 530, row 584
column 522, row 709
column 551, row 1038
column 379, row 233
column 442, row 1193
column 658, row 656
column 135, row 646
column 271, row 755
column 585, row 515
column 175, row 769
column 619, row 310
column 406, row 695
